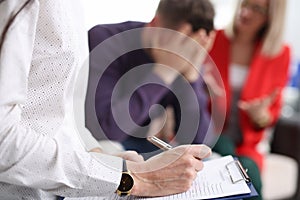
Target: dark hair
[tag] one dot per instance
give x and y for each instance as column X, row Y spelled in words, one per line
column 10, row 21
column 199, row 13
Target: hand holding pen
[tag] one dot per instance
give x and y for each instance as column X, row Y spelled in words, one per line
column 169, row 172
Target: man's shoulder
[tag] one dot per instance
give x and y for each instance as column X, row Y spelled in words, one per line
column 100, row 32
column 116, row 27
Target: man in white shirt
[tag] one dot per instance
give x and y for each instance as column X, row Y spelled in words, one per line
column 42, row 46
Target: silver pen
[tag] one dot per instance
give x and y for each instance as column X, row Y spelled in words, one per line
column 159, row 143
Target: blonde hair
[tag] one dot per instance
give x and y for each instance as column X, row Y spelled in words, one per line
column 272, row 35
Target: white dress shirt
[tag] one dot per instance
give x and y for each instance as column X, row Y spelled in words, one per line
column 41, row 153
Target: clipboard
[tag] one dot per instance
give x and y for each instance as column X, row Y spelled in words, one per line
column 220, row 169
column 243, row 172
column 225, row 174
column 253, row 193
column 245, row 177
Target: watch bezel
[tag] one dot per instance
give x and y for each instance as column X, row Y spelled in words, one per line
column 126, row 184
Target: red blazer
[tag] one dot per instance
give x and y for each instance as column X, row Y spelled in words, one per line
column 265, row 75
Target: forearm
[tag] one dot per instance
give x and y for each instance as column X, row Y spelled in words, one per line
column 34, row 160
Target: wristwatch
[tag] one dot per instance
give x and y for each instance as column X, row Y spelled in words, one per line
column 126, row 183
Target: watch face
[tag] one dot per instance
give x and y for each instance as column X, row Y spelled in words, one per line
column 126, row 183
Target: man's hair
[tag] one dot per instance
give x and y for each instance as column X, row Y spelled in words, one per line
column 199, row 13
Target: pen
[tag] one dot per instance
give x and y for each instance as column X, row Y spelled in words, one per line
column 159, row 143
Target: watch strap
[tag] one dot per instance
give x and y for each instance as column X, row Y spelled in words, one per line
column 124, row 189
column 124, row 166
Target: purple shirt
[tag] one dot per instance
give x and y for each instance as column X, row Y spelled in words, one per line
column 120, row 57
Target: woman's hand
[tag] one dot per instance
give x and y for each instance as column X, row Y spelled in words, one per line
column 258, row 109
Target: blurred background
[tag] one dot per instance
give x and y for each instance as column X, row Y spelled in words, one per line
column 281, row 177
column 113, row 11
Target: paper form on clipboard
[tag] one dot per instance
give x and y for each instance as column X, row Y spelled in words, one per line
column 220, row 178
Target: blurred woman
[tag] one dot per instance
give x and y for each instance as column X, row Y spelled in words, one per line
column 253, row 62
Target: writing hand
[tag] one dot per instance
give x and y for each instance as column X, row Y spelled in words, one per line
column 170, row 172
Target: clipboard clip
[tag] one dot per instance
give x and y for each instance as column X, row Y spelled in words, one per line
column 237, row 172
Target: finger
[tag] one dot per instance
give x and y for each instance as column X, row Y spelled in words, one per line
column 213, row 86
column 272, row 97
column 199, row 151
column 243, row 105
column 198, row 52
column 186, row 29
column 212, row 35
column 210, row 41
column 96, row 150
column 205, row 43
column 204, row 39
column 198, row 165
column 200, row 36
column 130, row 155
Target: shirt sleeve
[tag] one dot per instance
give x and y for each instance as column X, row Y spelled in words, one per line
column 30, row 158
